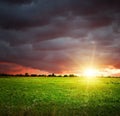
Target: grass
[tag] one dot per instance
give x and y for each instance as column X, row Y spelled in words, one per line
column 59, row 97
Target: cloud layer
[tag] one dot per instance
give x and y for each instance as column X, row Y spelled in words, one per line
column 59, row 36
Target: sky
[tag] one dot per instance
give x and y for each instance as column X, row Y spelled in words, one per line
column 59, row 36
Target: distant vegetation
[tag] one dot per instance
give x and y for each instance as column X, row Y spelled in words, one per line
column 49, row 75
column 36, row 75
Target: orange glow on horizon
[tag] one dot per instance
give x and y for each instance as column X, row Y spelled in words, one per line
column 92, row 71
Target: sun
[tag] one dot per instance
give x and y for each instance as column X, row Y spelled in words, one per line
column 90, row 72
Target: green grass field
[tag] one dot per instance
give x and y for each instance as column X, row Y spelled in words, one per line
column 59, row 97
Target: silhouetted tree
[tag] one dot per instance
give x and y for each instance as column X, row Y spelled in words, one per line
column 52, row 75
column 43, row 75
column 26, row 74
column 19, row 75
column 33, row 75
column 65, row 75
column 72, row 75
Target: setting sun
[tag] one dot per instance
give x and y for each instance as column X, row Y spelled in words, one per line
column 90, row 72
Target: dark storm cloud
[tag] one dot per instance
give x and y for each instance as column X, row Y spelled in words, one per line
column 57, row 44
column 39, row 13
column 54, row 35
column 17, row 1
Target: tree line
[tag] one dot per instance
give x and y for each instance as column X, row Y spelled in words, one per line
column 36, row 75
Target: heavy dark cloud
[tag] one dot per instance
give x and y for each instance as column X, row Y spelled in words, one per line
column 17, row 1
column 58, row 36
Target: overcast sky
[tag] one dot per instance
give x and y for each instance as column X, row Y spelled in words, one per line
column 58, row 36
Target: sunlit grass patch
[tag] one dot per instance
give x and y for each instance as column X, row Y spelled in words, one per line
column 58, row 96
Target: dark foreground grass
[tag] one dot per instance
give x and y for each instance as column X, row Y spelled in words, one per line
column 59, row 97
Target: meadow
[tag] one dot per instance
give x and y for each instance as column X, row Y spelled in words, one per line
column 59, row 96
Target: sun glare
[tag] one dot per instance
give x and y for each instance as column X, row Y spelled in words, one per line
column 90, row 72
